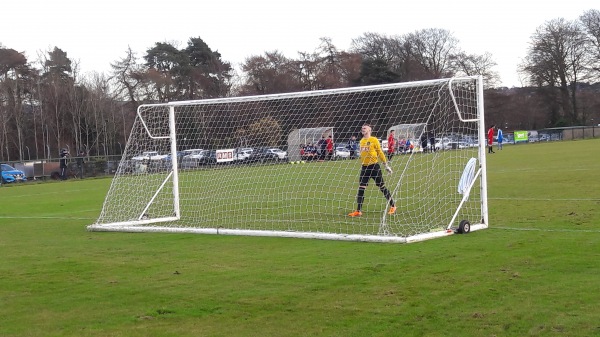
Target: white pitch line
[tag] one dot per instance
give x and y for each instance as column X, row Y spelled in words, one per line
column 548, row 199
column 44, row 217
column 540, row 170
column 52, row 193
column 547, row 230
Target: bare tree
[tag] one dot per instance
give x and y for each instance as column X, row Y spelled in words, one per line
column 97, row 118
column 472, row 64
column 335, row 68
column 349, row 67
column 558, row 58
column 591, row 25
column 432, row 49
column 383, row 59
column 305, row 70
column 375, row 46
column 421, row 55
column 270, row 73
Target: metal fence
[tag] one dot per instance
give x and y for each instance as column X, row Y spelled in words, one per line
column 91, row 166
column 577, row 132
column 95, row 166
column 556, row 134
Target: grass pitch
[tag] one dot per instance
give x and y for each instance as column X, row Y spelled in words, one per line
column 533, row 273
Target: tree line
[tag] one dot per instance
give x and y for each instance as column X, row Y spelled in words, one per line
column 47, row 104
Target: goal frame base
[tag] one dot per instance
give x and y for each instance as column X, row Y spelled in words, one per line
column 129, row 228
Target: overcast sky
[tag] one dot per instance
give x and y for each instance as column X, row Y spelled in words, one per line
column 96, row 33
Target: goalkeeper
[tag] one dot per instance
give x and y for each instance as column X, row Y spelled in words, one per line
column 370, row 154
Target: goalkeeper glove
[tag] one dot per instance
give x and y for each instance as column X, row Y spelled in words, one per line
column 388, row 168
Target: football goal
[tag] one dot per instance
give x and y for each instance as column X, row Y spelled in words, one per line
column 281, row 165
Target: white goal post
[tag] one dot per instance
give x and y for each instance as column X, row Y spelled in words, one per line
column 235, row 166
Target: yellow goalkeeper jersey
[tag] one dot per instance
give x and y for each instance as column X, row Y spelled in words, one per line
column 370, row 149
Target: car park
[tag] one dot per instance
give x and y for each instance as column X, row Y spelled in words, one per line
column 245, row 149
column 150, row 160
column 242, row 154
column 194, row 158
column 196, row 154
column 209, row 157
column 457, row 145
column 264, row 154
column 180, row 155
column 341, row 153
column 280, row 153
column 149, row 156
column 11, row 174
column 472, row 143
column 192, row 152
column 442, row 144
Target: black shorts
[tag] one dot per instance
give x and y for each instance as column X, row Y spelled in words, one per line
column 371, row 172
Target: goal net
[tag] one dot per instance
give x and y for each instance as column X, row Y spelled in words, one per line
column 287, row 165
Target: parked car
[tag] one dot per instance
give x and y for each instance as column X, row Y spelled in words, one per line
column 191, row 151
column 180, row 155
column 242, row 154
column 442, row 144
column 280, row 153
column 11, row 174
column 196, row 153
column 264, row 154
column 245, row 149
column 457, row 145
column 209, row 157
column 192, row 158
column 341, row 153
column 150, row 156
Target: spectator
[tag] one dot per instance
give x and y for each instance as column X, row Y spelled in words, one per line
column 64, row 155
column 352, row 146
column 391, row 144
column 402, row 146
column 431, row 141
column 322, row 145
column 302, row 149
column 409, row 146
column 310, row 152
column 424, row 142
column 490, row 140
column 329, row 147
column 499, row 138
column 79, row 161
column 315, row 152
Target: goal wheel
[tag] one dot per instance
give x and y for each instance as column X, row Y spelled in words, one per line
column 464, row 227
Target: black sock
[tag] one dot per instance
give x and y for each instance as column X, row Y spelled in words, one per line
column 388, row 195
column 360, row 198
